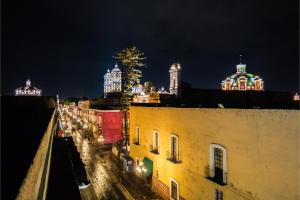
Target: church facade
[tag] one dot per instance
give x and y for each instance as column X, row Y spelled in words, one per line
column 112, row 81
column 28, row 90
column 242, row 80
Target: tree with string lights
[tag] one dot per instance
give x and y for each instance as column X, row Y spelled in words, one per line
column 132, row 61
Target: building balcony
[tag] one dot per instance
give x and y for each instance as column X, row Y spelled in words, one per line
column 136, row 141
column 173, row 158
column 154, row 149
column 216, row 175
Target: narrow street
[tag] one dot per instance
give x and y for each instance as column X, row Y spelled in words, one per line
column 105, row 171
column 101, row 183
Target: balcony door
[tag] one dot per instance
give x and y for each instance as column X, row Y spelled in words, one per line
column 218, row 160
column 155, row 140
column 218, row 163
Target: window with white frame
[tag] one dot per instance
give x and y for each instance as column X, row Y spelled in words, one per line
column 155, row 141
column 136, row 139
column 174, row 189
column 218, row 194
column 218, row 163
column 174, row 153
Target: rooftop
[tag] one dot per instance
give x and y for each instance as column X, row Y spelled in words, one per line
column 201, row 98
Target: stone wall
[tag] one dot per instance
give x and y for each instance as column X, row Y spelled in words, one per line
column 30, row 187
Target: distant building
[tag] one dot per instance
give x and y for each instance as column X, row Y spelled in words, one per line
column 175, row 79
column 112, row 81
column 296, row 97
column 242, row 80
column 28, row 90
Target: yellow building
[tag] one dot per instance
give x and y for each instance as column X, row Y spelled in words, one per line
column 215, row 153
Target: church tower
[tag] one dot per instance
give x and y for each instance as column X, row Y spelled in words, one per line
column 175, row 79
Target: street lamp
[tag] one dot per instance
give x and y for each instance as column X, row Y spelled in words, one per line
column 141, row 169
column 100, row 139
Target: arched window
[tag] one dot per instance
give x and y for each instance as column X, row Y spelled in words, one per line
column 155, row 142
column 218, row 164
column 174, row 189
column 257, row 85
column 242, row 83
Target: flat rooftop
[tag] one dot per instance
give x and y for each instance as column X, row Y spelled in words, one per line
column 201, row 98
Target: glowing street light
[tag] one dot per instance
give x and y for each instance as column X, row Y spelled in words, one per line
column 100, row 139
column 141, row 168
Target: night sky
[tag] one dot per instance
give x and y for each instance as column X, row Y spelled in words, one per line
column 65, row 47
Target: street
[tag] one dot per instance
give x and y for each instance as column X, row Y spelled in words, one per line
column 104, row 170
column 96, row 164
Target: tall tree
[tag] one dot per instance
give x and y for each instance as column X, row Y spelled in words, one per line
column 131, row 60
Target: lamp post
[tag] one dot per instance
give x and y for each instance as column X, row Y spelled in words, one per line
column 141, row 169
column 100, row 140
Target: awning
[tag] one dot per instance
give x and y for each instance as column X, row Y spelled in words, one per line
column 148, row 165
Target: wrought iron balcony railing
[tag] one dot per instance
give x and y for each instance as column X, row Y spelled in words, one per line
column 216, row 175
column 154, row 149
column 173, row 157
column 136, row 141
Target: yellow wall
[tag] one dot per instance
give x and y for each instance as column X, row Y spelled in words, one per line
column 262, row 150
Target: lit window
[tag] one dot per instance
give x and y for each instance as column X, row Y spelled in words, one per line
column 227, row 85
column 174, row 190
column 242, row 85
column 258, row 85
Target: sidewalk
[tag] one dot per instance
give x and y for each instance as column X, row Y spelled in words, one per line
column 136, row 186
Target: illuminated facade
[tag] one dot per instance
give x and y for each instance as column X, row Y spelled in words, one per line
column 112, row 80
column 28, row 90
column 296, row 97
column 242, row 80
column 175, row 79
column 213, row 153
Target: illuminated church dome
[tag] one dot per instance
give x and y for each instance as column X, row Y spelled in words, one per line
column 138, row 88
column 28, row 90
column 112, row 80
column 242, row 80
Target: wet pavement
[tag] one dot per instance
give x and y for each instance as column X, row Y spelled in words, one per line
column 104, row 171
column 94, row 158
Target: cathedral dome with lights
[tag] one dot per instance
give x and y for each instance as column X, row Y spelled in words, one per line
column 28, row 90
column 112, row 80
column 242, row 80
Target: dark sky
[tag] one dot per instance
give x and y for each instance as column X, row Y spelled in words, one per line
column 65, row 46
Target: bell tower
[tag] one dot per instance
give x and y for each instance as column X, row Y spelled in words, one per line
column 175, row 79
